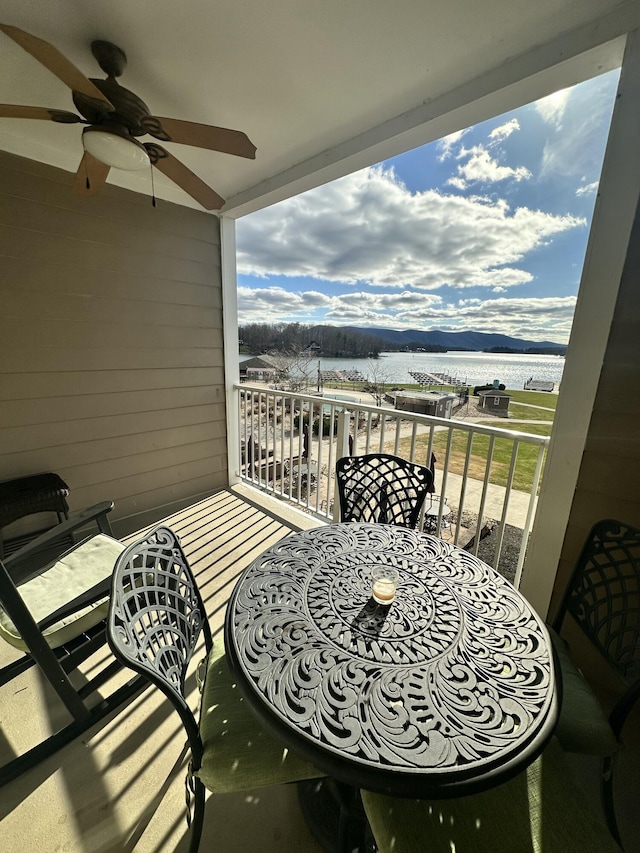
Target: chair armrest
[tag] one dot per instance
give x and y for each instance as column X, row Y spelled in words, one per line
column 97, row 512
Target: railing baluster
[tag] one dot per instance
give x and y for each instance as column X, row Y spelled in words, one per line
column 396, row 446
column 505, row 505
column 414, row 434
column 485, row 489
column 369, row 429
column 530, row 512
column 463, row 486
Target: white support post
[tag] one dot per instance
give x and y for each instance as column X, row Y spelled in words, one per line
column 230, row 342
column 605, row 257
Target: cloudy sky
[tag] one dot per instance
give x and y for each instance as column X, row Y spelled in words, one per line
column 484, row 230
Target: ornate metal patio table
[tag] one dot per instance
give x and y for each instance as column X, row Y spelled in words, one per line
column 448, row 690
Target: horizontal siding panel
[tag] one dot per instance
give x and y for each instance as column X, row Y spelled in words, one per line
column 45, row 359
column 612, row 427
column 623, row 345
column 22, row 412
column 35, row 218
column 93, row 429
column 610, row 474
column 82, row 308
column 127, row 513
column 590, row 506
column 72, row 334
column 143, row 463
column 24, row 179
column 20, row 274
column 85, row 256
column 67, row 457
column 619, row 400
column 27, row 386
column 156, row 488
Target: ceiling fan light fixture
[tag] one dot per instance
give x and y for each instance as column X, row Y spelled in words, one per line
column 115, row 149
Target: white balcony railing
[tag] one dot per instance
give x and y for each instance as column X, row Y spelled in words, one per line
column 289, row 444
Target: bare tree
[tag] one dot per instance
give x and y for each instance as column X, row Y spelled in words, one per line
column 379, row 376
column 295, row 370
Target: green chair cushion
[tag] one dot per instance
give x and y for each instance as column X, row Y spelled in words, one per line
column 75, row 572
column 583, row 726
column 238, row 754
column 540, row 811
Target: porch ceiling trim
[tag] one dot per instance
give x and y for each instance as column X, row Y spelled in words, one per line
column 585, row 52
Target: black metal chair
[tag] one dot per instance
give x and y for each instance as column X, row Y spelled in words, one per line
column 382, row 488
column 156, row 616
column 55, row 612
column 603, row 599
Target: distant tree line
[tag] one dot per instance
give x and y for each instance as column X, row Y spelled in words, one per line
column 331, row 341
column 529, row 350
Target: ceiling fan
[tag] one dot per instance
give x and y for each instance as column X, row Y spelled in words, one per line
column 115, row 117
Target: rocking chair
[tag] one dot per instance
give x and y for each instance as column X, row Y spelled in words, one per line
column 55, row 613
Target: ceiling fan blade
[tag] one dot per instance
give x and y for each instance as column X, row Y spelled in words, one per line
column 184, row 177
column 91, row 176
column 51, row 58
column 19, row 111
column 201, row 135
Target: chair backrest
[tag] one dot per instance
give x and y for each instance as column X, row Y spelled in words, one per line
column 383, row 488
column 603, row 595
column 155, row 617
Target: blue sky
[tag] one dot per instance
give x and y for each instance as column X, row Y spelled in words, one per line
column 484, row 230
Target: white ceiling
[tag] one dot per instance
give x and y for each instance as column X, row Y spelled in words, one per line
column 321, row 87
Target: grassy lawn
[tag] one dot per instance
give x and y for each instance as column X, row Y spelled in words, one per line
column 536, row 398
column 525, row 465
column 525, row 413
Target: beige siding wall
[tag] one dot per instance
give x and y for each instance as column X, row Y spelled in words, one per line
column 111, row 361
column 609, row 480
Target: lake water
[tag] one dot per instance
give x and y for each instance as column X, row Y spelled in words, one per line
column 471, row 368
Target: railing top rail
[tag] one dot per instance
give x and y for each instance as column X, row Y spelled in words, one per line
column 428, row 420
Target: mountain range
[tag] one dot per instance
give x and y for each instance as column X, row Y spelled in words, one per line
column 475, row 341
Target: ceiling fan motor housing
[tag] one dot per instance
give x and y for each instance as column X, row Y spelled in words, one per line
column 130, row 110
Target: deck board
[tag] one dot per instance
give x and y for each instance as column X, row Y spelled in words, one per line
column 122, row 788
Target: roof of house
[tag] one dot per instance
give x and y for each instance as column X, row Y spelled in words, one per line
column 259, row 361
column 493, row 392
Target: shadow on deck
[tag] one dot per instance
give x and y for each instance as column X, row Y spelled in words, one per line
column 121, row 788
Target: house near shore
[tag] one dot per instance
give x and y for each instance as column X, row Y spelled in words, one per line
column 262, row 368
column 494, row 401
column 432, row 403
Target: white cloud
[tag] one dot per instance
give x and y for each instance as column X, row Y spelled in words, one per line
column 499, row 134
column 369, row 228
column 447, row 143
column 457, row 182
column 587, row 189
column 553, row 107
column 532, row 318
column 578, row 121
column 482, row 168
column 263, row 304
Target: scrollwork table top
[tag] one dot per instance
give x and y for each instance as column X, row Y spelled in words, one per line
column 448, row 690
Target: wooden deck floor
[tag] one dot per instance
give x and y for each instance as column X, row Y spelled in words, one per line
column 122, row 788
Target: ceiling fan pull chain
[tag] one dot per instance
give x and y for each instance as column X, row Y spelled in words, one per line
column 153, row 189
